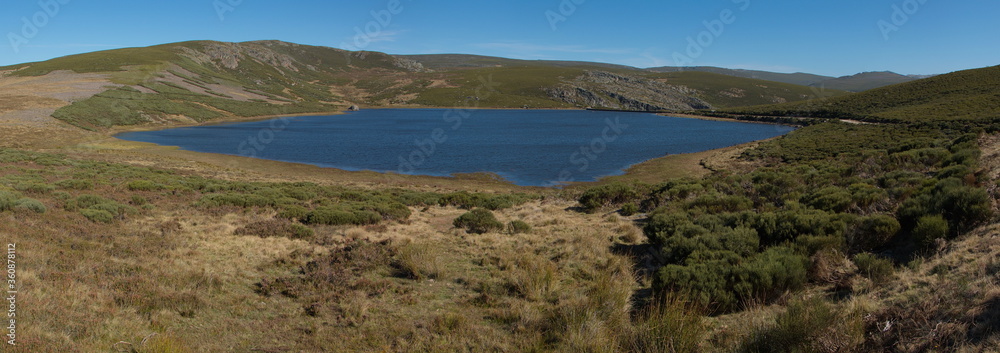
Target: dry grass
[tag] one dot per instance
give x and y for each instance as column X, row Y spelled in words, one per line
column 949, row 302
column 185, row 278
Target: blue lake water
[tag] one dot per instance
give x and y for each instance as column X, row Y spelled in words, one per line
column 526, row 147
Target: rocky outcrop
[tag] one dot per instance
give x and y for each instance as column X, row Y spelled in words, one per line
column 600, row 89
column 229, row 55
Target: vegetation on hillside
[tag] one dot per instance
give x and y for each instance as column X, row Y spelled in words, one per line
column 828, row 203
column 724, row 92
column 963, row 95
column 206, row 80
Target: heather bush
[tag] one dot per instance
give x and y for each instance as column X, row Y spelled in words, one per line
column 478, row 221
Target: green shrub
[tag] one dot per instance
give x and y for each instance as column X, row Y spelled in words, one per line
column 964, row 206
column 478, row 221
column 38, row 188
column 97, row 203
column 295, row 212
column 330, row 216
column 299, row 231
column 706, row 284
column 363, row 217
column 469, row 201
column 390, row 211
column 518, row 227
column 664, row 225
column 716, row 203
column 874, row 231
column 86, row 201
column 873, row 267
column 8, row 200
column 831, row 199
column 98, row 215
column 30, row 204
column 629, row 209
column 929, row 229
column 414, row 198
column 768, row 275
column 139, row 200
column 607, row 196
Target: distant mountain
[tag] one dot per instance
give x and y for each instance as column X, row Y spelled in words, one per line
column 854, row 83
column 866, row 81
column 723, row 91
column 206, row 80
column 458, row 61
column 963, row 95
column 799, row 78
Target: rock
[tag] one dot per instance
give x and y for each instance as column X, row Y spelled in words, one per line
column 354, row 108
column 614, row 91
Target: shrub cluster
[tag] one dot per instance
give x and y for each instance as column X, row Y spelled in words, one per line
column 731, row 239
column 518, row 227
column 609, row 195
column 31, row 205
column 466, row 200
column 478, row 221
column 99, row 209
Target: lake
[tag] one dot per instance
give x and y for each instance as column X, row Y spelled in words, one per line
column 526, row 147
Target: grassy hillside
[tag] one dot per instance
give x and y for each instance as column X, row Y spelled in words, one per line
column 205, row 80
column 454, row 61
column 854, row 83
column 864, row 81
column 802, row 79
column 726, row 91
column 963, row 95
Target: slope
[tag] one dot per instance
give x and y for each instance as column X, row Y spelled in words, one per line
column 963, row 95
column 723, row 91
column 864, row 81
column 192, row 82
column 798, row 78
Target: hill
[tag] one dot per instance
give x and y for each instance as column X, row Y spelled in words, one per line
column 205, row 80
column 853, row 83
column 798, row 78
column 723, row 91
column 963, row 95
column 865, row 81
column 456, row 61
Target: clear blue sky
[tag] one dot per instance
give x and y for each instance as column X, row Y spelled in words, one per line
column 818, row 36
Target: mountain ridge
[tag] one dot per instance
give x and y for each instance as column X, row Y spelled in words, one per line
column 208, row 80
column 853, row 83
column 961, row 95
